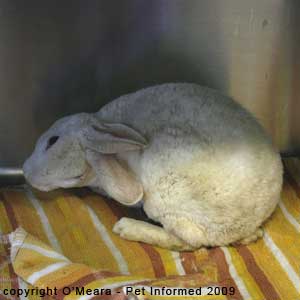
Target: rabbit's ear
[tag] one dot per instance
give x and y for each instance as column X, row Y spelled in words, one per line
column 110, row 138
column 115, row 179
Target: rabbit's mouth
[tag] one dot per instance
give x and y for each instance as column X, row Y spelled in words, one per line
column 75, row 181
column 80, row 180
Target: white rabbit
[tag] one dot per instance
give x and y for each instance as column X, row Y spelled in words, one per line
column 202, row 164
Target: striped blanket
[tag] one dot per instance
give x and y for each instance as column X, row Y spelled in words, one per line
column 62, row 245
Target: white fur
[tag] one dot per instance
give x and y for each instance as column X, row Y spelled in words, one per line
column 209, row 174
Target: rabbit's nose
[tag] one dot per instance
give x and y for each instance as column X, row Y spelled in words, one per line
column 30, row 175
column 27, row 170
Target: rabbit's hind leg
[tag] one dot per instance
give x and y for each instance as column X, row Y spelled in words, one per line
column 139, row 231
column 193, row 234
column 252, row 237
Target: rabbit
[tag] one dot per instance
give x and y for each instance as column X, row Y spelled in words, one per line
column 200, row 164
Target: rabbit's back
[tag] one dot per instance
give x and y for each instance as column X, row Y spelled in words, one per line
column 190, row 107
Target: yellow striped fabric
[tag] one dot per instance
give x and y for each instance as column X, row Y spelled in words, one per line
column 63, row 240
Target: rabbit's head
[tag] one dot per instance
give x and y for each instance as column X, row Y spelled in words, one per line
column 60, row 156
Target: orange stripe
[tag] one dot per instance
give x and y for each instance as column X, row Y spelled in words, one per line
column 13, row 276
column 88, row 229
column 189, row 262
column 157, row 263
column 225, row 278
column 24, row 211
column 75, row 231
column 143, row 265
column 259, row 276
column 10, row 212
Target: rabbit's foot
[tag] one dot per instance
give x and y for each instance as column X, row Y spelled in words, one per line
column 252, row 237
column 139, row 231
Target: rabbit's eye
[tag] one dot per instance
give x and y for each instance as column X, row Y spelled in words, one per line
column 52, row 141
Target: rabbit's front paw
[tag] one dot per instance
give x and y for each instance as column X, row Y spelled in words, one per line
column 139, row 231
column 122, row 227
